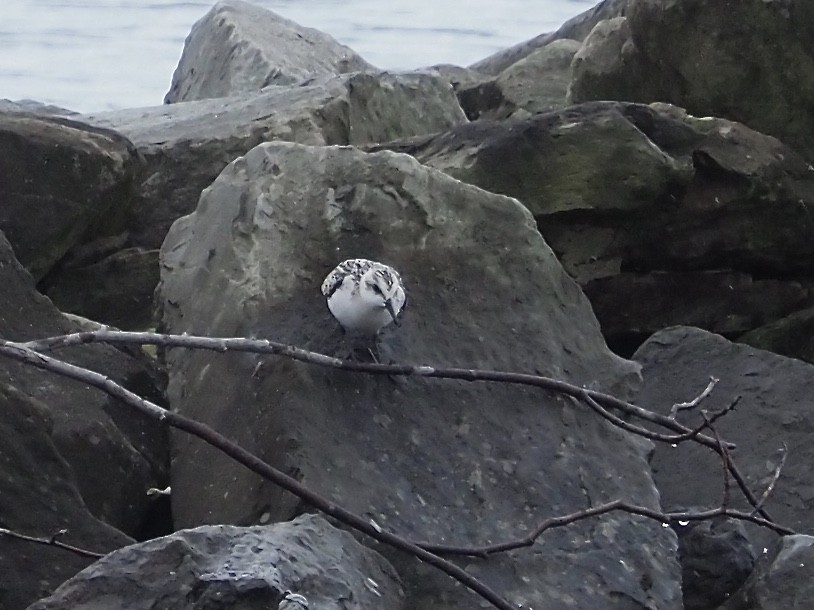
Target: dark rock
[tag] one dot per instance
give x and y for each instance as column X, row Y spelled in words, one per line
column 59, row 180
column 117, row 289
column 86, row 423
column 71, row 454
column 433, row 460
column 39, row 496
column 239, row 47
column 605, row 53
column 633, row 306
column 576, row 28
column 716, row 558
column 535, row 84
column 619, row 188
column 792, row 336
column 226, row 567
column 783, row 578
column 775, row 409
column 718, row 59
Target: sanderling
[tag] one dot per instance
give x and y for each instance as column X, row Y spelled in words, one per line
column 364, row 296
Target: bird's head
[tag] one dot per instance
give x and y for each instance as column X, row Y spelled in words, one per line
column 387, row 287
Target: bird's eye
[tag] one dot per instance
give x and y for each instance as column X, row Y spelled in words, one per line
column 374, row 287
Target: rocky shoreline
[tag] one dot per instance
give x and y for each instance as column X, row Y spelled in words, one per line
column 624, row 204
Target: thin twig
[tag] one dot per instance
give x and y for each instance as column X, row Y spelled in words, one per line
column 784, row 451
column 52, row 541
column 679, row 438
column 263, row 346
column 615, row 505
column 683, row 406
column 21, row 353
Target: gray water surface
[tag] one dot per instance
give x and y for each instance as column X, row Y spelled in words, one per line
column 92, row 55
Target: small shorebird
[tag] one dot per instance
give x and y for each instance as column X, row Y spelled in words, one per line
column 364, row 296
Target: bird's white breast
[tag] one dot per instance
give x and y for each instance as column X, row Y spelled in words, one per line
column 358, row 309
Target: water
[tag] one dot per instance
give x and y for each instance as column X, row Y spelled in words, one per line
column 92, row 55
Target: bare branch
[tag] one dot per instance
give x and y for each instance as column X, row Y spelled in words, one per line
column 262, row 346
column 683, row 406
column 725, row 460
column 679, row 438
column 21, row 353
column 52, row 541
column 615, row 505
column 784, row 451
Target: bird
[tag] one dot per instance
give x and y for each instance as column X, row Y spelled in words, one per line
column 293, row 601
column 364, row 296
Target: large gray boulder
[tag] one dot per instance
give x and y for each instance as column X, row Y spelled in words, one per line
column 222, row 567
column 239, row 47
column 663, row 217
column 775, row 410
column 436, row 460
column 72, row 457
column 715, row 59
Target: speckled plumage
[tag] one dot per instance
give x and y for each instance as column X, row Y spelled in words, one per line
column 364, row 296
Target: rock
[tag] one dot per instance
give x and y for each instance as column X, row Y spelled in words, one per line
column 792, row 336
column 535, row 84
column 456, row 76
column 774, row 410
column 607, row 52
column 433, row 460
column 653, row 194
column 61, row 179
column 782, row 578
column 117, row 288
column 633, row 306
column 73, row 458
column 39, row 496
column 33, row 107
column 223, row 566
column 187, row 145
column 239, row 47
column 717, row 59
column 576, row 28
column 716, row 558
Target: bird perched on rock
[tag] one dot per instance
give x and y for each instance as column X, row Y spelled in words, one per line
column 364, row 296
column 293, row 601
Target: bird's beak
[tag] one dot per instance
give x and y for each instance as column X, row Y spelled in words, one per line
column 389, row 304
